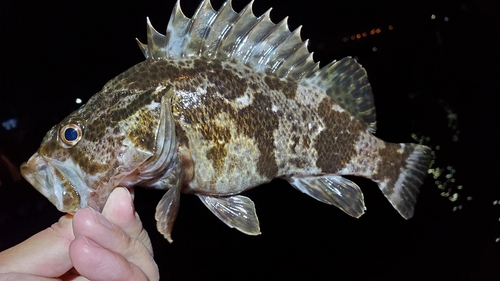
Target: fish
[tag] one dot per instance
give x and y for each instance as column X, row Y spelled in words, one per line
column 224, row 102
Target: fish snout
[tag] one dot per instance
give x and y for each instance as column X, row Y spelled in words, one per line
column 35, row 163
column 51, row 183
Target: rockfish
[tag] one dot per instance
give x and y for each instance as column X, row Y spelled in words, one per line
column 225, row 102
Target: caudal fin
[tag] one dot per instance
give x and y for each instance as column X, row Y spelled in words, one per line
column 402, row 187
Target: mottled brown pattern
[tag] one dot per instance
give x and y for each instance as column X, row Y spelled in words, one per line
column 87, row 161
column 253, row 121
column 392, row 158
column 142, row 128
column 118, row 109
column 227, row 83
column 217, row 155
column 336, row 144
column 287, row 87
column 261, row 128
column 50, row 143
column 219, row 137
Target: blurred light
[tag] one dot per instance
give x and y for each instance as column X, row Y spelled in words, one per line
column 378, row 30
column 433, row 16
column 78, row 100
column 372, row 31
column 446, row 19
column 345, row 39
column 453, row 197
column 364, row 34
column 374, row 49
column 353, row 37
column 358, row 35
column 390, row 27
column 10, row 124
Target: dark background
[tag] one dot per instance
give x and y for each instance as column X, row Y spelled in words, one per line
column 435, row 80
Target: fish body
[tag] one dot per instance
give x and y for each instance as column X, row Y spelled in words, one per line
column 223, row 103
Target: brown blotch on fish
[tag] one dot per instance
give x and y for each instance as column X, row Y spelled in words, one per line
column 228, row 84
column 217, row 154
column 87, row 162
column 392, row 158
column 287, row 87
column 267, row 121
column 334, row 145
column 142, row 131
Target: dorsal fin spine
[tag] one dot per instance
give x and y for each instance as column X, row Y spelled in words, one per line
column 176, row 31
column 269, row 41
column 218, row 31
column 289, row 67
column 200, row 24
column 278, row 35
column 233, row 44
column 254, row 34
column 155, row 39
column 286, row 49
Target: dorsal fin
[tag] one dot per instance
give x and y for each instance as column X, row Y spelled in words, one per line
column 346, row 82
column 263, row 45
column 230, row 36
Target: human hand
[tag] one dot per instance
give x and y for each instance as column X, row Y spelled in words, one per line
column 108, row 246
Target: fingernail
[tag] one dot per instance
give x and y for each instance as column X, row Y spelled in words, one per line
column 101, row 219
column 131, row 199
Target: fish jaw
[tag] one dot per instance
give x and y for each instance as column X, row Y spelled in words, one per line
column 56, row 184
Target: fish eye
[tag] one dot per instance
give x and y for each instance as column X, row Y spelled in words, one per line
column 70, row 134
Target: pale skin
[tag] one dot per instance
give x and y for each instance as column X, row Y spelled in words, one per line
column 87, row 246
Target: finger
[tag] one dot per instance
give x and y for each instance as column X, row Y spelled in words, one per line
column 24, row 277
column 119, row 210
column 43, row 254
column 97, row 263
column 95, row 227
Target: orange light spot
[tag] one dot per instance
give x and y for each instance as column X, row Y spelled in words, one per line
column 391, row 27
column 358, row 35
column 353, row 37
column 378, row 30
column 182, row 77
column 364, row 34
column 372, row 31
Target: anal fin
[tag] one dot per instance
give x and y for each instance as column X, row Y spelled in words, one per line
column 333, row 190
column 236, row 211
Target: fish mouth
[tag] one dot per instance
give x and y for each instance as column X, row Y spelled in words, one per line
column 52, row 182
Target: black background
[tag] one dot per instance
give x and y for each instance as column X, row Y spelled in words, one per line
column 434, row 78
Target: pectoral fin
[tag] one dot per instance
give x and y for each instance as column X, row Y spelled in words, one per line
column 235, row 211
column 333, row 190
column 166, row 212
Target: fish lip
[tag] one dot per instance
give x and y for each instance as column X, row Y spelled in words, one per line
column 41, row 174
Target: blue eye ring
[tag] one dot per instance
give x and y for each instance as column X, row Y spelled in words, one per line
column 71, row 134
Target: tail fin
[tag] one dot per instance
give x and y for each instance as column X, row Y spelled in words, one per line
column 402, row 187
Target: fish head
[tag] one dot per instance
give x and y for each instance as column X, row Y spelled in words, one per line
column 102, row 145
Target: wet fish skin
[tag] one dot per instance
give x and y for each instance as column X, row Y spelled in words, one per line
column 211, row 114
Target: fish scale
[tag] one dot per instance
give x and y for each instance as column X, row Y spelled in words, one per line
column 225, row 102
